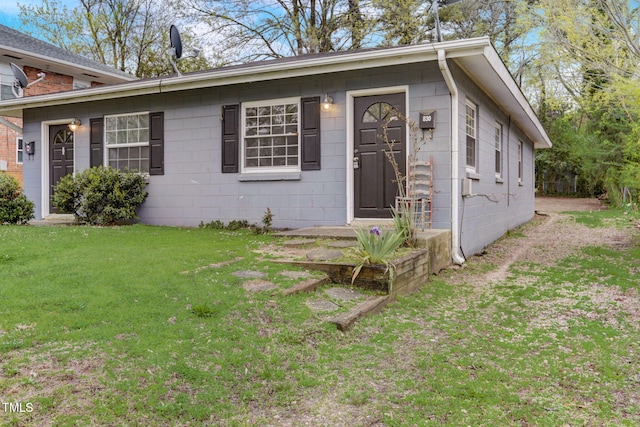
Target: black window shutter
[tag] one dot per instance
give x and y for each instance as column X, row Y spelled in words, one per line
column 156, row 143
column 230, row 138
column 96, row 136
column 311, row 133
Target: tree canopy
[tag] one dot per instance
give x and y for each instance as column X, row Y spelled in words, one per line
column 577, row 60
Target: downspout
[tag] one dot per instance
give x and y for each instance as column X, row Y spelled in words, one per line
column 456, row 256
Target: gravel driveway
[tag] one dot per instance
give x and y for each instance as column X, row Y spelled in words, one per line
column 562, row 204
column 552, row 235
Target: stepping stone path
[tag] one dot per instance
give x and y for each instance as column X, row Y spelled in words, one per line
column 249, row 274
column 336, row 293
column 258, row 285
column 322, row 305
column 296, row 274
column 341, row 244
column 324, row 255
column 298, row 242
column 344, row 294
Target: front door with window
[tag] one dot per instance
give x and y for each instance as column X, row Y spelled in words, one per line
column 375, row 186
column 60, row 156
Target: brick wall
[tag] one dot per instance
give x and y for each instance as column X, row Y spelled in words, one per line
column 8, row 148
column 52, row 83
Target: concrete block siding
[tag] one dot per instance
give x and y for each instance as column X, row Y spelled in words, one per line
column 193, row 189
column 497, row 205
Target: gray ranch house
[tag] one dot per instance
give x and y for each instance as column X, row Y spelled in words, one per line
column 229, row 143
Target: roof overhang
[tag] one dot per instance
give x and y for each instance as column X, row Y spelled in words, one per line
column 489, row 72
column 476, row 57
column 49, row 63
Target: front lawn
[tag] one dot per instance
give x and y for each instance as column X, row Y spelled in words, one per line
column 149, row 325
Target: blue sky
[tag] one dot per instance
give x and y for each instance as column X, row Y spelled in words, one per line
column 9, row 11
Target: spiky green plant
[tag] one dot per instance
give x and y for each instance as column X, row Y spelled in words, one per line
column 375, row 247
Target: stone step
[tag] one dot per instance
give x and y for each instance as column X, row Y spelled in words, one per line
column 308, row 285
column 372, row 305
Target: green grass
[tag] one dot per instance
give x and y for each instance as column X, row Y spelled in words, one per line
column 122, row 326
column 610, row 218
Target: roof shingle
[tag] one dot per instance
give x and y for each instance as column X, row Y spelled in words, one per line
column 17, row 41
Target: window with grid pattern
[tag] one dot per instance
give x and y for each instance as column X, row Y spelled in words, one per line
column 271, row 135
column 19, row 150
column 127, row 141
column 520, row 162
column 471, row 130
column 498, row 143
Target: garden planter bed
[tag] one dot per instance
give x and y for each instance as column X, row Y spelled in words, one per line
column 409, row 273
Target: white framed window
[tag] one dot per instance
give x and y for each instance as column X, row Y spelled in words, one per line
column 126, row 139
column 498, row 145
column 520, row 162
column 471, row 131
column 271, row 135
column 19, row 150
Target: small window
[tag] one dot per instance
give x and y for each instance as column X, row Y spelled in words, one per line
column 380, row 111
column 127, row 141
column 498, row 144
column 471, row 130
column 271, row 135
column 520, row 162
column 19, row 150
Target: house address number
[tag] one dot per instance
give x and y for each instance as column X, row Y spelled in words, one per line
column 427, row 120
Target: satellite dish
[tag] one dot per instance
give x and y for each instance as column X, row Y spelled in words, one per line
column 21, row 82
column 176, row 41
column 434, row 7
column 21, row 77
column 175, row 51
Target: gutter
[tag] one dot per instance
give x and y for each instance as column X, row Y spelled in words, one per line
column 10, row 125
column 456, row 256
column 115, row 76
column 267, row 70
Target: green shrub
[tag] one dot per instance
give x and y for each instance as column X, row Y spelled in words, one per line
column 242, row 224
column 101, row 195
column 214, row 225
column 15, row 208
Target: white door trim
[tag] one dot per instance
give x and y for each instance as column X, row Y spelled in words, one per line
column 351, row 95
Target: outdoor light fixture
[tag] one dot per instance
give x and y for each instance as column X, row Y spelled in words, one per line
column 74, row 125
column 326, row 104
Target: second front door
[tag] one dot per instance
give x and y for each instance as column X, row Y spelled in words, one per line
column 375, row 184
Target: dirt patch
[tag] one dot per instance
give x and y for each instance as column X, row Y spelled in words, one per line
column 561, row 204
column 539, row 245
column 550, row 237
column 47, row 380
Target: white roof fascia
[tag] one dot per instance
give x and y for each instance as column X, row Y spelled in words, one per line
column 539, row 137
column 269, row 70
column 504, row 91
column 476, row 56
column 70, row 68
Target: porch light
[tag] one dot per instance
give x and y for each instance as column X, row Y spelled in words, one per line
column 74, row 125
column 326, row 104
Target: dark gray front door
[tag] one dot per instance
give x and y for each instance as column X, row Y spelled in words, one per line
column 374, row 179
column 60, row 156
